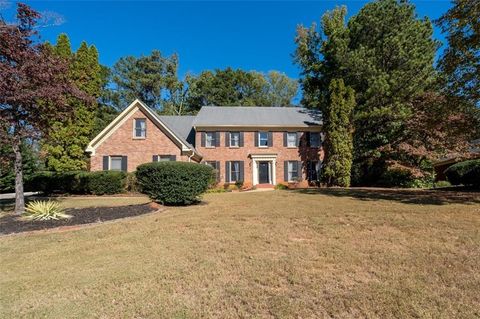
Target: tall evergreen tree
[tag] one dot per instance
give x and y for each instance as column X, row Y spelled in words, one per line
column 385, row 53
column 461, row 59
column 338, row 134
column 67, row 140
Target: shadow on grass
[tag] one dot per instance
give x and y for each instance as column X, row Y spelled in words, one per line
column 425, row 197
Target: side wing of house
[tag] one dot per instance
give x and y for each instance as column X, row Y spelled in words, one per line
column 137, row 136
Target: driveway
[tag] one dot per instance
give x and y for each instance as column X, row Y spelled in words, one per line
column 12, row 195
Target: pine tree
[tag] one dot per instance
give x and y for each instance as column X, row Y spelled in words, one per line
column 68, row 139
column 338, row 138
column 385, row 53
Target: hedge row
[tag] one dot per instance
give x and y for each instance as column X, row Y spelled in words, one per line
column 464, row 173
column 174, row 183
column 96, row 183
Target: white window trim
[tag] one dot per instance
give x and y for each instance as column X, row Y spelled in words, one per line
column 110, row 162
column 135, row 137
column 206, row 140
column 231, row 171
column 296, row 137
column 259, row 145
column 290, row 180
column 230, row 140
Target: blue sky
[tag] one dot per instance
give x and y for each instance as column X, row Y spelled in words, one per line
column 206, row 35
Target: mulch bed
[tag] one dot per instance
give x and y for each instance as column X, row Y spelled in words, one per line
column 11, row 223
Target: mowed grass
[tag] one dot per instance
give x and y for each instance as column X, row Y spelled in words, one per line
column 279, row 254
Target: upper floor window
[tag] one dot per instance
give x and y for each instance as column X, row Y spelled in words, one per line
column 140, row 130
column 314, row 139
column 210, row 139
column 263, row 139
column 234, row 139
column 291, row 139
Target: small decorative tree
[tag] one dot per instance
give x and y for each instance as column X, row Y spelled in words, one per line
column 34, row 88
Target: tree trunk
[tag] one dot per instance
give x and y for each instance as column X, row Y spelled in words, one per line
column 19, row 198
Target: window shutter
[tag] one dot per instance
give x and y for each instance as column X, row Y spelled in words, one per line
column 307, row 138
column 241, row 170
column 241, row 139
column 202, row 138
column 124, row 163
column 256, row 138
column 299, row 137
column 105, row 163
column 227, row 172
column 173, row 158
column 227, row 139
column 155, row 158
column 217, row 167
column 285, row 171
column 217, row 139
column 285, row 143
column 270, row 139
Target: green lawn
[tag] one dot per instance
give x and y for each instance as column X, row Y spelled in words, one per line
column 279, row 254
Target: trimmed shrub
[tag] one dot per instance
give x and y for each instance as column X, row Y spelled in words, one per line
column 281, row 186
column 464, row 173
column 442, row 184
column 106, row 182
column 97, row 183
column 398, row 177
column 174, row 183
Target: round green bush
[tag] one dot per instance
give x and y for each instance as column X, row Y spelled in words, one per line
column 174, row 183
column 464, row 173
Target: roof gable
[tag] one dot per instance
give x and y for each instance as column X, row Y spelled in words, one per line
column 126, row 114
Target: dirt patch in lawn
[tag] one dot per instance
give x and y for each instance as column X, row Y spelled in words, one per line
column 11, row 223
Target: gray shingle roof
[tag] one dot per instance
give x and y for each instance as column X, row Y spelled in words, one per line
column 256, row 116
column 182, row 126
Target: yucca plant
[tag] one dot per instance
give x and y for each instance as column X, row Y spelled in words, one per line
column 44, row 210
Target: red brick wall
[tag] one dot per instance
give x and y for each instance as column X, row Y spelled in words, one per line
column 223, row 153
column 139, row 151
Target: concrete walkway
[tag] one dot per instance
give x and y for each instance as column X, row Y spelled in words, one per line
column 12, row 195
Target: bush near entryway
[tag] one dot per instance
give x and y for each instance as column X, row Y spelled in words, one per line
column 174, row 183
column 464, row 173
column 96, row 183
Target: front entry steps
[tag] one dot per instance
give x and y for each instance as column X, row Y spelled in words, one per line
column 264, row 186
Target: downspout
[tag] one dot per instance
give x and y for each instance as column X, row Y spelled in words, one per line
column 190, row 157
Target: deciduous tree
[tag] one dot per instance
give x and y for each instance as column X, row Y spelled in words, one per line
column 34, row 86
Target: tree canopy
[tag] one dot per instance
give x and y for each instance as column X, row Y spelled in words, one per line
column 34, row 85
column 385, row 53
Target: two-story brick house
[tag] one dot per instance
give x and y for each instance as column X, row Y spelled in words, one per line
column 255, row 145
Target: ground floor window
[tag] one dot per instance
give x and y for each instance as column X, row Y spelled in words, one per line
column 164, row 158
column 234, row 171
column 216, row 166
column 292, row 171
column 313, row 171
column 115, row 163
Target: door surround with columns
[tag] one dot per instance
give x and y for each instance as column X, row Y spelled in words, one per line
column 272, row 161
